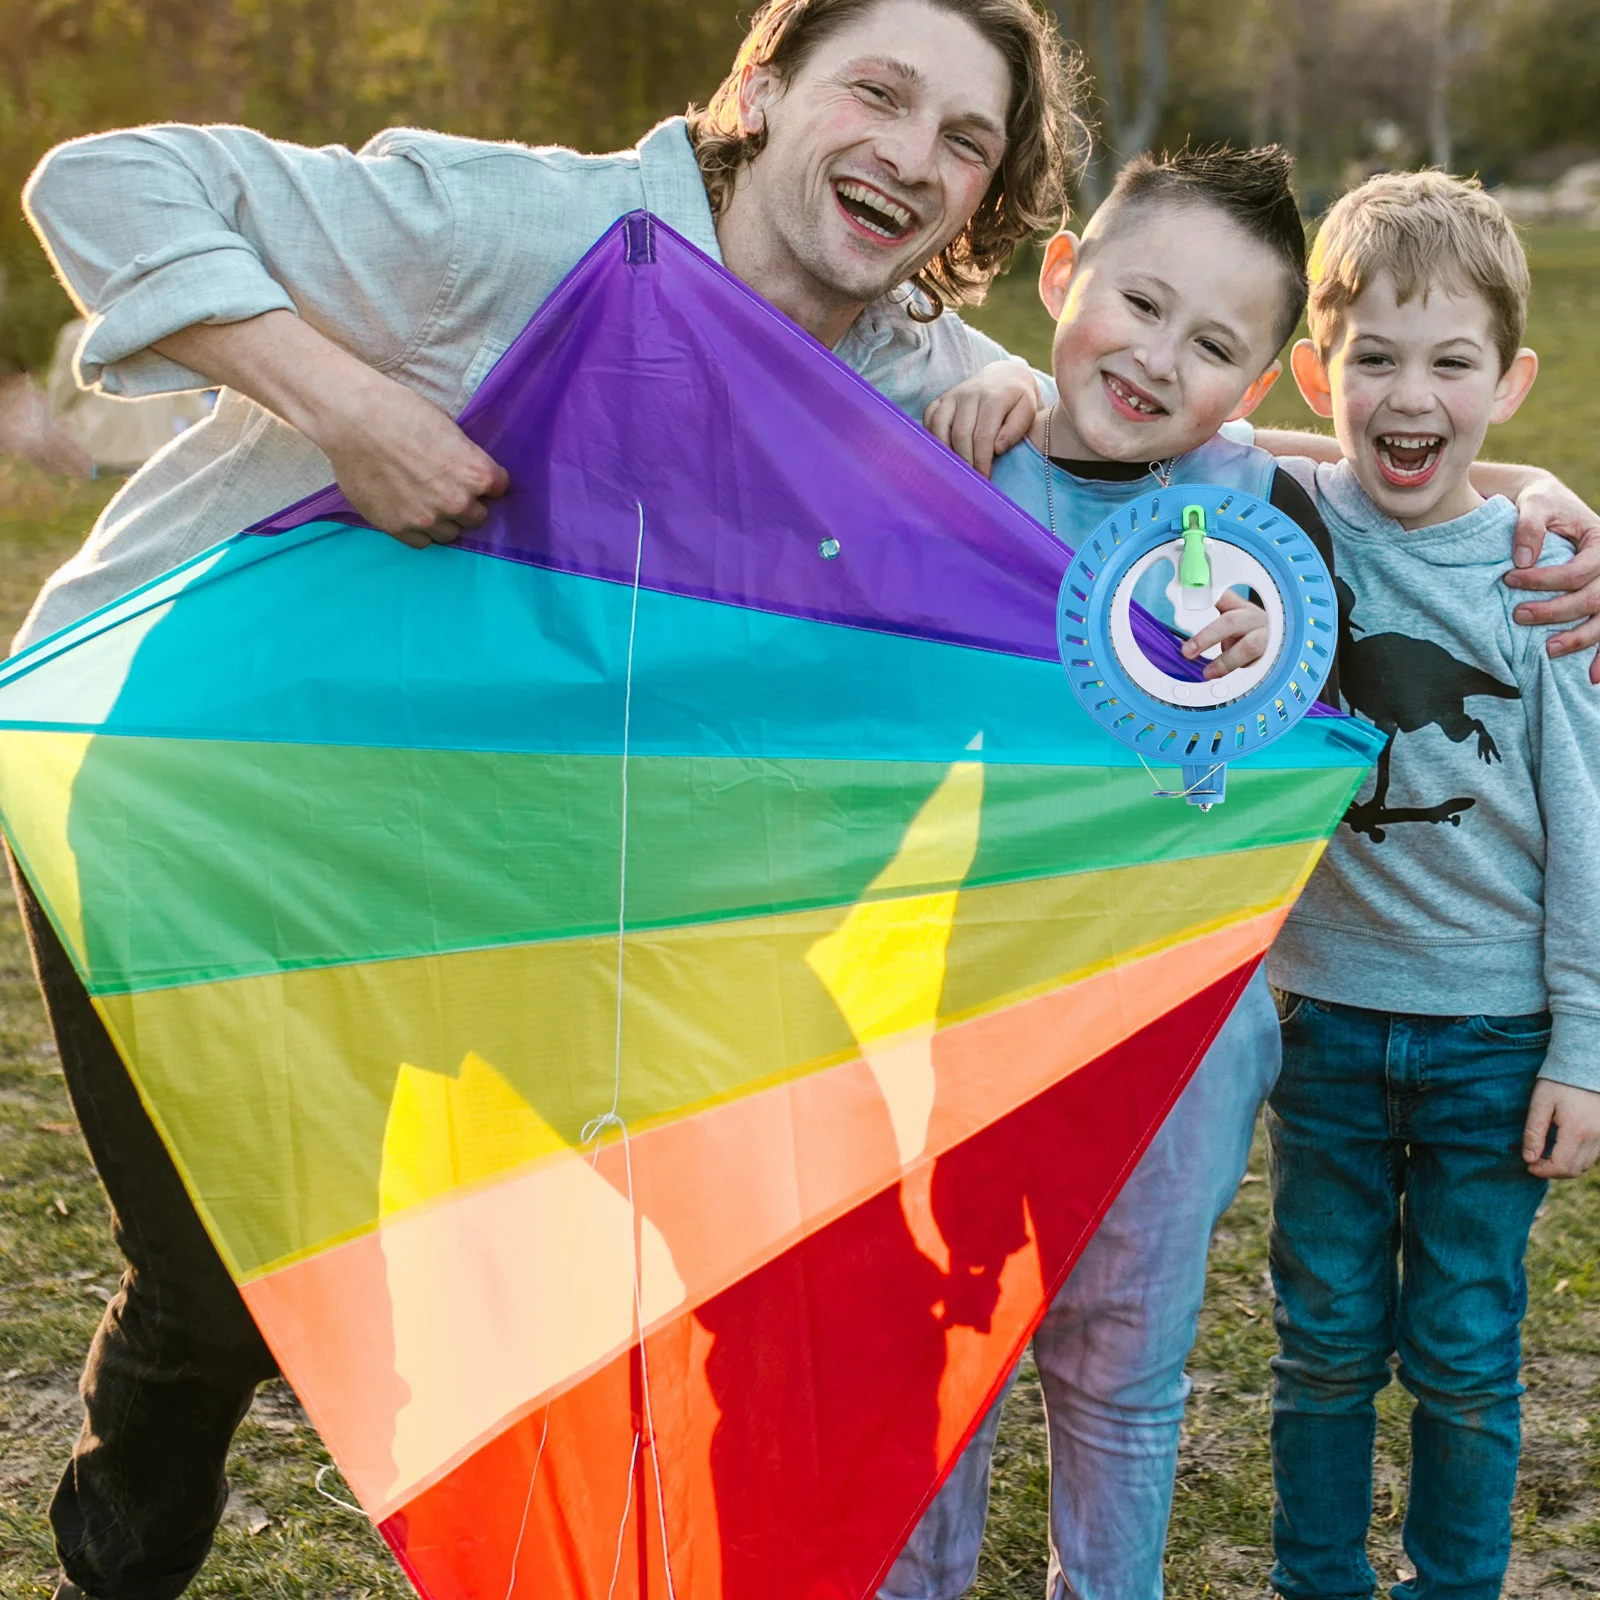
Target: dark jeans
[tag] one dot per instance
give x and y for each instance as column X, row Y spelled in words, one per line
column 176, row 1358
column 1401, row 1210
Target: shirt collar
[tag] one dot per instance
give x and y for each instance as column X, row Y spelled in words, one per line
column 673, row 187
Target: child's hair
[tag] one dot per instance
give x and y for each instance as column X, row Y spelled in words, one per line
column 1428, row 231
column 1250, row 186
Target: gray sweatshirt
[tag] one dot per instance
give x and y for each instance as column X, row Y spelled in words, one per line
column 1465, row 879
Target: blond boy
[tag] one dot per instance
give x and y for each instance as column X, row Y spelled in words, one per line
column 1442, row 1032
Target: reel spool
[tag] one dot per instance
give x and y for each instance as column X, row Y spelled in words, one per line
column 1215, row 539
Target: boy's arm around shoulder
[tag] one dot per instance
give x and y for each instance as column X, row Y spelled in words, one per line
column 1563, row 715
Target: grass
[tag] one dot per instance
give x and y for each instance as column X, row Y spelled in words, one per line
column 1557, row 425
column 282, row 1541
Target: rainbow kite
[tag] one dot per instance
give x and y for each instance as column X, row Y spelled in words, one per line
column 695, row 904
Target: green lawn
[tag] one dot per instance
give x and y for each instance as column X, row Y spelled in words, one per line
column 281, row 1539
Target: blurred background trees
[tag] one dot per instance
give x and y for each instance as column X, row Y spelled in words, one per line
column 1509, row 88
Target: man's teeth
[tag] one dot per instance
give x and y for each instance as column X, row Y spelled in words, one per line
column 1409, row 455
column 861, row 195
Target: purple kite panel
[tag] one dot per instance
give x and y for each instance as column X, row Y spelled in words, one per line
column 768, row 474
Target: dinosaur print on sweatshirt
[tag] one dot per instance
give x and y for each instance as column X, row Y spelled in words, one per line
column 1402, row 685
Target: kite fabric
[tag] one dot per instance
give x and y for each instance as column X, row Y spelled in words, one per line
column 694, row 903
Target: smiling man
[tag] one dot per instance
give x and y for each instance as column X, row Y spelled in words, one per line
column 865, row 164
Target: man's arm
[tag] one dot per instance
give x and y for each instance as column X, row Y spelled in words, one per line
column 218, row 256
column 401, row 461
column 156, row 229
column 1544, row 506
column 1564, row 729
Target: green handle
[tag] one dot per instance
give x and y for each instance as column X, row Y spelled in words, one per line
column 1194, row 571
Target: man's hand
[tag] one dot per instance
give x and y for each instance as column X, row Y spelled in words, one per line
column 1575, row 1114
column 987, row 414
column 404, row 464
column 1241, row 627
column 400, row 460
column 1546, row 505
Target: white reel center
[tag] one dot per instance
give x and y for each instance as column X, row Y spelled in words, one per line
column 1194, row 606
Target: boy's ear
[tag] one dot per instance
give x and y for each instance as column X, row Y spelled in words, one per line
column 1514, row 385
column 1061, row 257
column 1257, row 392
column 1312, row 377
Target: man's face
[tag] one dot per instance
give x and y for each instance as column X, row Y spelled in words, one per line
column 880, row 148
column 1166, row 328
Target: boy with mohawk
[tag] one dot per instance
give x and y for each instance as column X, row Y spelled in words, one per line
column 1170, row 312
column 1442, row 1022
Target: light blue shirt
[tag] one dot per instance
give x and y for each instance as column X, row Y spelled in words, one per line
column 423, row 254
column 1474, row 887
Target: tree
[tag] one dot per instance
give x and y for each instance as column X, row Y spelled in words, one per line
column 1125, row 43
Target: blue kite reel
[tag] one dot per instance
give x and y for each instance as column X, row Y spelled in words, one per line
column 1213, row 539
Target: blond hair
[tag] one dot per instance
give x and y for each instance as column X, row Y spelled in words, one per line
column 1428, row 231
column 1046, row 139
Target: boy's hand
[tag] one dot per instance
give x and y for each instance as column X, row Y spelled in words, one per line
column 1546, row 506
column 1241, row 627
column 1575, row 1114
column 987, row 414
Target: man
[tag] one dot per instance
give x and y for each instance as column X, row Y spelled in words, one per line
column 350, row 304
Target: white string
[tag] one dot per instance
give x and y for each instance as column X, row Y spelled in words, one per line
column 326, row 1494
column 622, row 1531
column 613, row 1118
column 527, row 1505
column 1178, row 794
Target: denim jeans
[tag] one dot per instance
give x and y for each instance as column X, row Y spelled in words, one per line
column 1111, row 1350
column 1401, row 1209
column 176, row 1359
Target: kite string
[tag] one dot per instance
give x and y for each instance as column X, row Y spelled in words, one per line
column 1179, row 794
column 613, row 1117
column 527, row 1505
column 328, row 1494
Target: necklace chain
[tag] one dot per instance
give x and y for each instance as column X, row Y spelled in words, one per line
column 1161, row 469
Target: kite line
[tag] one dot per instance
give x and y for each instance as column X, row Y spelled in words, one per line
column 614, row 1118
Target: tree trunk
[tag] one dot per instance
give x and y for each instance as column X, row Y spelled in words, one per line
column 1131, row 119
column 1439, row 89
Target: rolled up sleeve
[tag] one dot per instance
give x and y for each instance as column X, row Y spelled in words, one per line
column 157, row 229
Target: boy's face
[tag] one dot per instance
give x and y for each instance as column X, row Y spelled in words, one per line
column 1166, row 327
column 1412, row 390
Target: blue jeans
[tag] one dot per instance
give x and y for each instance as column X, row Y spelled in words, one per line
column 1112, row 1348
column 1401, row 1209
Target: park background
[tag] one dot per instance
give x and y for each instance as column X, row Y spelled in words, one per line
column 1509, row 89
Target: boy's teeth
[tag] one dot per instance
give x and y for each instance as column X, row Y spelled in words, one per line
column 1409, row 455
column 896, row 216
column 1136, row 401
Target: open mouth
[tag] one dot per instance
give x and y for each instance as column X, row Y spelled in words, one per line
column 1408, row 460
column 1131, row 402
column 873, row 212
